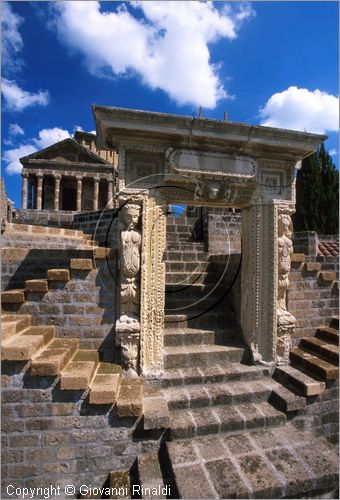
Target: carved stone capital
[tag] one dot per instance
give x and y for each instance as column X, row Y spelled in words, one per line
column 129, row 352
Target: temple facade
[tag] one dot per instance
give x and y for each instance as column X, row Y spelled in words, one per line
column 71, row 175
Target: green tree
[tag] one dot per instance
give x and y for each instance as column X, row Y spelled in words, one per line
column 317, row 194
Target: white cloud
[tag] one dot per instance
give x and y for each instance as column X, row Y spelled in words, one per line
column 15, row 129
column 17, row 99
column 302, row 109
column 333, row 152
column 11, row 39
column 168, row 49
column 46, row 137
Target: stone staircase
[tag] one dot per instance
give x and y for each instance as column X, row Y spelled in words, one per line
column 33, row 333
column 229, row 424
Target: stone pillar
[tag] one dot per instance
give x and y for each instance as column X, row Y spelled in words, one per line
column 56, row 191
column 109, row 193
column 95, row 192
column 39, row 191
column 30, row 201
column 79, row 192
column 265, row 256
column 24, row 191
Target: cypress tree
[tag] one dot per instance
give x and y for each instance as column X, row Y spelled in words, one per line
column 317, row 194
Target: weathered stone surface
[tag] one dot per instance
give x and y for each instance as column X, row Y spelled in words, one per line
column 58, row 275
column 37, row 286
column 150, row 475
column 307, row 386
column 156, row 413
column 22, row 347
column 77, row 375
column 52, row 360
column 13, row 297
column 327, row 276
column 120, row 483
column 130, row 398
column 81, row 264
column 312, row 267
column 314, row 365
column 104, row 388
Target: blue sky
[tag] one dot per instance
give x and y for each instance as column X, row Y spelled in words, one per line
column 270, row 63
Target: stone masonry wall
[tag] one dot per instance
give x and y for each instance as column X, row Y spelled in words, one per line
column 313, row 295
column 222, row 231
column 101, row 225
column 54, row 437
column 55, row 218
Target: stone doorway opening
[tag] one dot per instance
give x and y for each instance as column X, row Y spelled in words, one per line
column 68, row 195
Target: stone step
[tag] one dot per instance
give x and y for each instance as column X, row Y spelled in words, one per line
column 36, row 286
column 335, row 322
column 13, row 297
column 58, row 275
column 37, row 241
column 322, row 348
column 202, row 355
column 188, row 278
column 185, row 246
column 130, row 398
column 186, row 266
column 81, row 264
column 280, row 462
column 301, row 382
column 209, row 318
column 53, row 359
column 221, row 419
column 314, row 365
column 215, row 394
column 328, row 333
column 225, row 372
column 46, row 230
column 187, row 336
column 105, row 384
column 286, row 400
column 150, row 476
column 14, row 324
column 24, row 346
column 79, row 372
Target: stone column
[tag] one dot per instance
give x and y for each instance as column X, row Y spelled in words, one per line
column 267, row 326
column 57, row 179
column 39, row 191
column 109, row 193
column 79, row 192
column 30, row 201
column 24, row 191
column 95, row 192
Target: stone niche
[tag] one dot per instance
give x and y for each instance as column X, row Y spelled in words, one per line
column 198, row 161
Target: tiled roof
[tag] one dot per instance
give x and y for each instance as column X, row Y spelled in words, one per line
column 328, row 248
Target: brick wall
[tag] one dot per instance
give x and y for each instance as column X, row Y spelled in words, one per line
column 55, row 218
column 54, row 437
column 222, row 231
column 101, row 225
column 313, row 295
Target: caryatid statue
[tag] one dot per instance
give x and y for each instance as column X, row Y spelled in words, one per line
column 129, row 260
column 285, row 320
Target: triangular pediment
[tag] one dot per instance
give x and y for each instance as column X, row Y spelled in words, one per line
column 66, row 151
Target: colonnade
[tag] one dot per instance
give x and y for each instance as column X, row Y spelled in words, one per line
column 37, row 179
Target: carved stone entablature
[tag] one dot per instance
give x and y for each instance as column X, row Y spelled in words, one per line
column 209, row 164
column 276, row 180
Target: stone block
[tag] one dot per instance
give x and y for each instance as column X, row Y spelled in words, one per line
column 104, row 389
column 312, row 267
column 13, row 297
column 37, row 286
column 156, row 413
column 130, row 398
column 58, row 275
column 81, row 264
column 327, row 276
column 297, row 258
column 77, row 375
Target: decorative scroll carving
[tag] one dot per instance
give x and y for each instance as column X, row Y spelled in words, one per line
column 285, row 320
column 215, row 191
column 129, row 263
